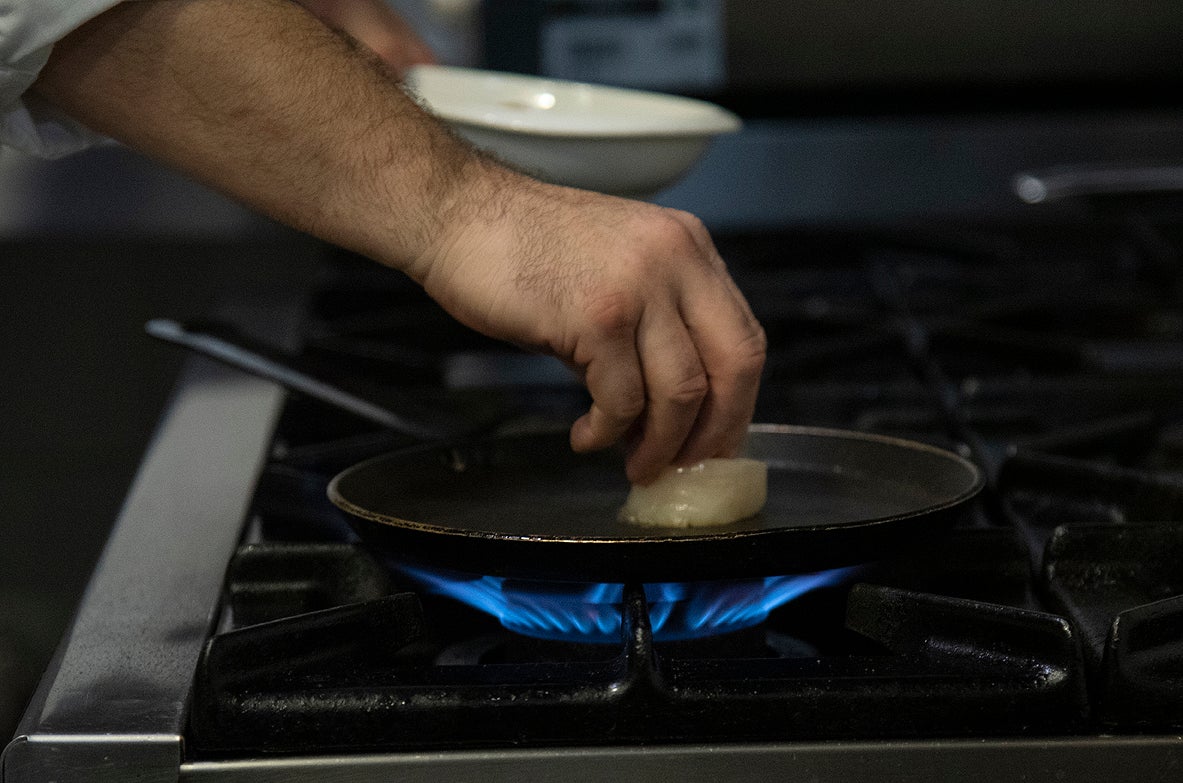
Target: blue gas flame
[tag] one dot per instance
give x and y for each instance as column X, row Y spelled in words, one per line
column 592, row 612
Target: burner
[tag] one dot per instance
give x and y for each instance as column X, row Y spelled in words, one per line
column 591, row 613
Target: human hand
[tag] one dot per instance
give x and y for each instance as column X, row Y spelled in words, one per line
column 633, row 296
column 376, row 26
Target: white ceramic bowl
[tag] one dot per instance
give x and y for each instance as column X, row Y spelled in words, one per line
column 625, row 142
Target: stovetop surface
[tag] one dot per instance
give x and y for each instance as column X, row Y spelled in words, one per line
column 1052, row 356
column 237, row 628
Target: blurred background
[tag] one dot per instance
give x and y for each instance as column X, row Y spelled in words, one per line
column 857, row 114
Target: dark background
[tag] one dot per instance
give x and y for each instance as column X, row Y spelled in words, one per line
column 817, row 57
column 877, row 45
column 113, row 242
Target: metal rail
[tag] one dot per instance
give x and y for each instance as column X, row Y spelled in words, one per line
column 112, row 706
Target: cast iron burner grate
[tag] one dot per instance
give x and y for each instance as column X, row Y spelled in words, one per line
column 368, row 675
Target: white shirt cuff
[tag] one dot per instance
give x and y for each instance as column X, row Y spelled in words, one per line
column 28, row 31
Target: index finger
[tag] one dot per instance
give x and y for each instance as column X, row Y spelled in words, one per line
column 732, row 346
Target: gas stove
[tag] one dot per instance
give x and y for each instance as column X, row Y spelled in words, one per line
column 237, row 629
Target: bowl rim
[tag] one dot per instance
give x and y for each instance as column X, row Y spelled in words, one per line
column 694, row 118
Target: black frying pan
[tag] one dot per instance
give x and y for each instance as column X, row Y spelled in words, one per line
column 527, row 507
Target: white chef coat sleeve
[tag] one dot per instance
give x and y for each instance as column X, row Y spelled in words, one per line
column 28, row 31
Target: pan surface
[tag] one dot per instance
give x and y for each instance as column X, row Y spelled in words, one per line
column 525, row 506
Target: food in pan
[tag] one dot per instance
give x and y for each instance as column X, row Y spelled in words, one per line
column 712, row 492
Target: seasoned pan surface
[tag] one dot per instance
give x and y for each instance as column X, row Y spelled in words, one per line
column 526, row 506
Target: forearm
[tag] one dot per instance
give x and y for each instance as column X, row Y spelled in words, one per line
column 259, row 100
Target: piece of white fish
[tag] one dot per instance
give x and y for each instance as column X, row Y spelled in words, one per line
column 712, row 492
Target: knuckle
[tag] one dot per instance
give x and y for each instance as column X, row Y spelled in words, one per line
column 627, row 405
column 690, row 390
column 749, row 356
column 700, row 237
column 690, row 237
column 690, row 223
column 613, row 312
column 671, row 228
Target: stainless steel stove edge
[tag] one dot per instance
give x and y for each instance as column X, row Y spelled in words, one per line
column 1133, row 759
column 70, row 758
column 112, row 705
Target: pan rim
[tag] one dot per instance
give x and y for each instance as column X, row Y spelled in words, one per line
column 723, row 532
